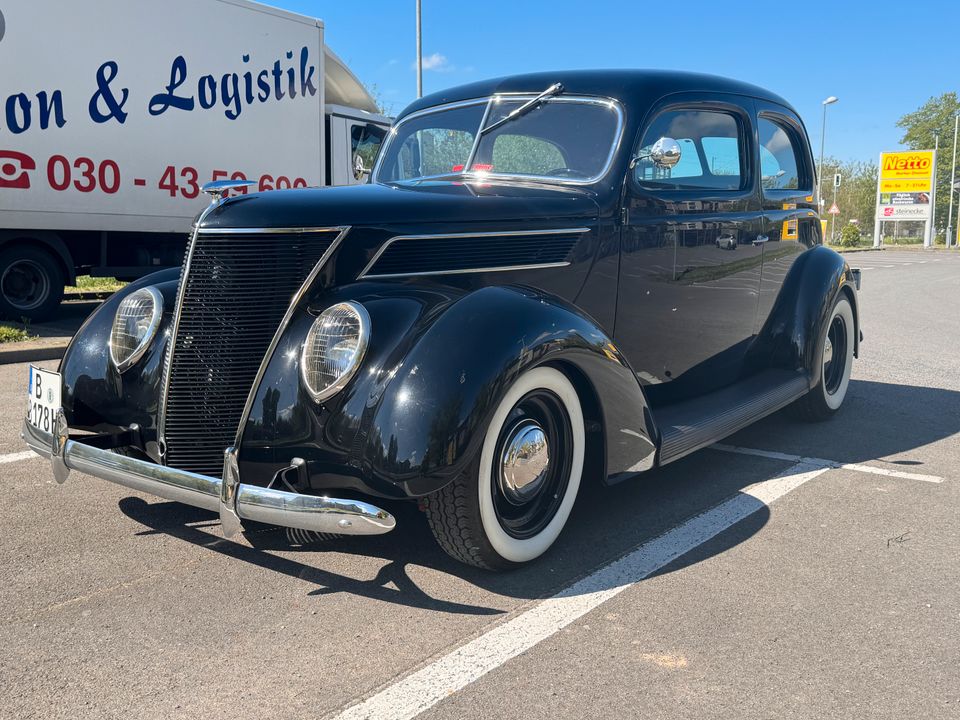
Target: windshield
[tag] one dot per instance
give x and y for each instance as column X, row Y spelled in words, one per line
column 562, row 139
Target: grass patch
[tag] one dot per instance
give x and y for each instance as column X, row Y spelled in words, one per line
column 10, row 334
column 88, row 284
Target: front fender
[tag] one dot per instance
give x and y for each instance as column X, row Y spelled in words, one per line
column 95, row 395
column 792, row 333
column 427, row 423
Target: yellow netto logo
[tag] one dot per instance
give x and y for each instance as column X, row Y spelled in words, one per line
column 917, row 164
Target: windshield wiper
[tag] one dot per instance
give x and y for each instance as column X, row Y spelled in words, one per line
column 529, row 105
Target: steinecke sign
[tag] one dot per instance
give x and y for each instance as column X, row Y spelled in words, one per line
column 905, row 185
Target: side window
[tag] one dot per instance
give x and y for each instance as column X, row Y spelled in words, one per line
column 711, row 144
column 780, row 168
column 365, row 141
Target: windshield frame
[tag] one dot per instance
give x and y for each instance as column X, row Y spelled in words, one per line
column 489, row 103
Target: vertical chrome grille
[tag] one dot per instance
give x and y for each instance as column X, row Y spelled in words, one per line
column 235, row 292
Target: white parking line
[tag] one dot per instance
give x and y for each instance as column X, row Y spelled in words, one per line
column 426, row 687
column 830, row 464
column 14, row 457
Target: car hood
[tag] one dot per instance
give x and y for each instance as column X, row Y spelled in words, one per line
column 382, row 205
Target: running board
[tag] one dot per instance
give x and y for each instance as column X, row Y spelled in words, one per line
column 694, row 424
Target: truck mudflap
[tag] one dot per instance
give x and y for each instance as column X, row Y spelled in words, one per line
column 243, row 502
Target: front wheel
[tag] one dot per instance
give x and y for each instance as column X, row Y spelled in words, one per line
column 510, row 507
column 835, row 355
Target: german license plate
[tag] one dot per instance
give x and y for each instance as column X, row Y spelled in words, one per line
column 43, row 398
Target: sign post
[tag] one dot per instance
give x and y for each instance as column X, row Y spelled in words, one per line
column 904, row 190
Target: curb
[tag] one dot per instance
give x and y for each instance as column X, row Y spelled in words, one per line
column 843, row 251
column 29, row 352
column 88, row 295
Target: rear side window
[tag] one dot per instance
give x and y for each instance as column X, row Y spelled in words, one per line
column 711, row 144
column 780, row 165
column 365, row 141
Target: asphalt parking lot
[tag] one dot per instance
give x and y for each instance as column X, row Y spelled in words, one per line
column 796, row 571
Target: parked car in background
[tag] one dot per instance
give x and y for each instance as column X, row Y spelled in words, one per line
column 102, row 156
column 727, row 241
column 527, row 298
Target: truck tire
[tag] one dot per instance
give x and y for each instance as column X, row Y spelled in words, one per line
column 31, row 283
column 488, row 519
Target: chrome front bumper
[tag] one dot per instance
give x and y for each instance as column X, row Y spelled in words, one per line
column 247, row 502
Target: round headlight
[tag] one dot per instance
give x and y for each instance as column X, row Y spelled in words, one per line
column 334, row 348
column 134, row 326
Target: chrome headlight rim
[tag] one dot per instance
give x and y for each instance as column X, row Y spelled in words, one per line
column 363, row 340
column 154, row 325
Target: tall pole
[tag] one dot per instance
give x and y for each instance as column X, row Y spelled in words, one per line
column 953, row 179
column 419, row 55
column 877, row 220
column 932, row 227
column 823, row 134
column 833, row 218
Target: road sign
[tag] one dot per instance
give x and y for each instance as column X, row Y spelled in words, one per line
column 834, row 210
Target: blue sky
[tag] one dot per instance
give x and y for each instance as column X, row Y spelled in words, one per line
column 877, row 57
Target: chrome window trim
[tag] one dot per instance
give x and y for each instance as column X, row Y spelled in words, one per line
column 148, row 337
column 366, row 274
column 491, row 100
column 341, row 231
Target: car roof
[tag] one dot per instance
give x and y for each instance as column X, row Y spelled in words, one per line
column 624, row 85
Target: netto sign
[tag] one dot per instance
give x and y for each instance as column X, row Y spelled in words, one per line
column 908, row 165
column 905, row 185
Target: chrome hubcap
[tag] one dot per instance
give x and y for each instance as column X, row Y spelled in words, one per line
column 524, row 464
column 827, row 352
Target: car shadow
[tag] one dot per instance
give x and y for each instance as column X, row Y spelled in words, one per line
column 607, row 522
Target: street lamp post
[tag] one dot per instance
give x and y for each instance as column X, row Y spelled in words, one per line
column 953, row 180
column 419, row 55
column 929, row 240
column 823, row 133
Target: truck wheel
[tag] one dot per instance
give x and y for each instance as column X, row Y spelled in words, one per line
column 31, row 283
column 835, row 356
column 510, row 507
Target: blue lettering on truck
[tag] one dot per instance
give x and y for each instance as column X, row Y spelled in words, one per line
column 284, row 78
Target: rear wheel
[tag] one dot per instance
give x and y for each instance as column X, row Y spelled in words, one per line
column 31, row 283
column 835, row 355
column 510, row 507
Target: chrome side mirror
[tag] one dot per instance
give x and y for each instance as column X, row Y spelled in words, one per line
column 664, row 153
column 360, row 171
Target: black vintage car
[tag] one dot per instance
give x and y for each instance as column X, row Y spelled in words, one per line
column 535, row 291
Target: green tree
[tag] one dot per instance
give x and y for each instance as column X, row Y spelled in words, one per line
column 919, row 128
column 856, row 196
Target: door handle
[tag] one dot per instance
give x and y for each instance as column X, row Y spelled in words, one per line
column 760, row 240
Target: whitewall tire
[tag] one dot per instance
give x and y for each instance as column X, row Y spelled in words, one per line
column 835, row 361
column 512, row 504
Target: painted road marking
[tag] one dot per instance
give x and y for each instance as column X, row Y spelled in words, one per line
column 831, row 464
column 14, row 457
column 427, row 686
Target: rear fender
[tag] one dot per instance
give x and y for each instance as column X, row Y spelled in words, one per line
column 792, row 334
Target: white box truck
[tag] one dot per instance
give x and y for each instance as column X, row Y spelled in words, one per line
column 113, row 114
